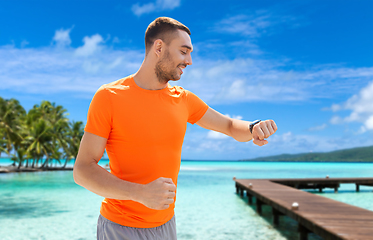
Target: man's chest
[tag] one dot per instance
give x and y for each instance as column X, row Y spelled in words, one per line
column 151, row 119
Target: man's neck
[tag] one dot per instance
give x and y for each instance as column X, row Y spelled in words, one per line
column 146, row 78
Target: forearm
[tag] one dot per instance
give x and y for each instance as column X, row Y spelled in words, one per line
column 98, row 180
column 240, row 131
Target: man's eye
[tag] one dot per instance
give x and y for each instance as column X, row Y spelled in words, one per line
column 183, row 52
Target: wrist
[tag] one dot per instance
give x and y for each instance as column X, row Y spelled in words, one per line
column 136, row 192
column 252, row 124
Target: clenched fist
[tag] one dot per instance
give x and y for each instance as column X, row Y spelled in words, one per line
column 263, row 130
column 158, row 194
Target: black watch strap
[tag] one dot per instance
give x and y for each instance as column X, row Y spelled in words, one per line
column 253, row 124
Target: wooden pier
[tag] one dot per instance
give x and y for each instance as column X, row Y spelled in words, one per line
column 325, row 217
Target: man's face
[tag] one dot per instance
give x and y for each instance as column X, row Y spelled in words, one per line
column 175, row 57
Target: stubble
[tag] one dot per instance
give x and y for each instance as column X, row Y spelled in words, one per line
column 164, row 69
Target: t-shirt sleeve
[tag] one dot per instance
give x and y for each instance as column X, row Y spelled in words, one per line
column 196, row 107
column 99, row 119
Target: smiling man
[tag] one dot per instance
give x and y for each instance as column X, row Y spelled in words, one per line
column 141, row 121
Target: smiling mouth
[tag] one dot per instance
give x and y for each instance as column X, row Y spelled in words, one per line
column 181, row 67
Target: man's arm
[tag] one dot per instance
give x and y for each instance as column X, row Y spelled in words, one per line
column 238, row 129
column 158, row 194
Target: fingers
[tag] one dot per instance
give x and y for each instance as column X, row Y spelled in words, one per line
column 259, row 142
column 158, row 194
column 165, row 206
column 167, row 180
column 169, row 184
column 273, row 125
column 168, row 201
column 171, row 195
column 171, row 187
column 263, row 130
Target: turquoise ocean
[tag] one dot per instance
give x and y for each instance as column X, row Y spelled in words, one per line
column 49, row 205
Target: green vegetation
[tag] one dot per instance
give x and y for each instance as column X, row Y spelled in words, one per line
column 361, row 154
column 40, row 137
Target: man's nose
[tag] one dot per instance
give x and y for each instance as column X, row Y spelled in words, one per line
column 188, row 60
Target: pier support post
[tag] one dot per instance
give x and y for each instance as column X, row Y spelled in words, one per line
column 276, row 216
column 237, row 189
column 259, row 206
column 241, row 192
column 303, row 232
column 250, row 198
column 357, row 187
column 336, row 188
column 320, row 189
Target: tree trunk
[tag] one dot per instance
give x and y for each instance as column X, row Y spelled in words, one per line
column 45, row 164
column 65, row 163
column 20, row 163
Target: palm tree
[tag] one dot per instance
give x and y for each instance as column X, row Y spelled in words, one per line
column 56, row 156
column 20, row 156
column 43, row 134
column 60, row 130
column 55, row 120
column 39, row 142
column 2, row 142
column 11, row 116
column 3, row 145
column 73, row 138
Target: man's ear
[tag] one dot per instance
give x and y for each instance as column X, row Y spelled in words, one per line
column 158, row 45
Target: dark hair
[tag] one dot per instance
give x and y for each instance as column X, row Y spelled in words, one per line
column 162, row 28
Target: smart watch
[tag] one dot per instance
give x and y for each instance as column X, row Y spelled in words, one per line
column 253, row 124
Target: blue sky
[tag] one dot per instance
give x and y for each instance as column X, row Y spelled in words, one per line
column 306, row 64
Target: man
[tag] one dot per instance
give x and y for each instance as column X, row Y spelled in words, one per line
column 141, row 121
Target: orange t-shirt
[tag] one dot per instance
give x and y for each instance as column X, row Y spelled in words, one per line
column 145, row 131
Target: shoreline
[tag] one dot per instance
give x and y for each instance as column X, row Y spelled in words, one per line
column 15, row 169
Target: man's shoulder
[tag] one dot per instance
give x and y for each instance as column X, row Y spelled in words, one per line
column 113, row 87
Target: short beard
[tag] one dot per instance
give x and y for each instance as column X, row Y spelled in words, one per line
column 161, row 69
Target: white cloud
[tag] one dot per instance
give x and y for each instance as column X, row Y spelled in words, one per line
column 200, row 147
column 140, row 10
column 335, row 107
column 299, row 143
column 254, row 25
column 156, row 6
column 245, row 25
column 62, row 69
column 336, row 120
column 361, row 107
column 91, row 45
column 318, row 128
column 62, row 37
column 24, row 43
column 369, row 122
column 252, row 79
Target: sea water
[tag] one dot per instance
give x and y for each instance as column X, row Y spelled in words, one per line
column 49, row 205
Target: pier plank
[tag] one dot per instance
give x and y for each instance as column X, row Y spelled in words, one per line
column 325, row 217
